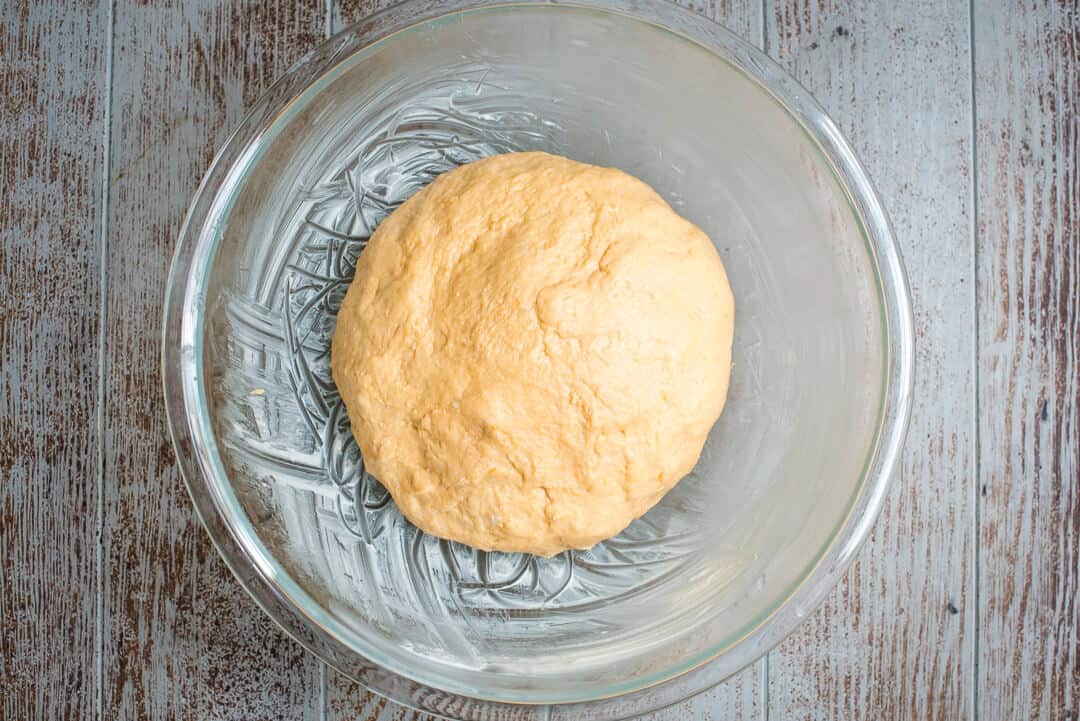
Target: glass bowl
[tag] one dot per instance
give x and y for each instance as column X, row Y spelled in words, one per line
column 792, row 476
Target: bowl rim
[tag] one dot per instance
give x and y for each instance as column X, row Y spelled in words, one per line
column 274, row 590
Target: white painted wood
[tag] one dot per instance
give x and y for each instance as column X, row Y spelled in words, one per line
column 1027, row 91
column 893, row 641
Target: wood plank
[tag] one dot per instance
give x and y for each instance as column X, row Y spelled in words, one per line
column 740, row 697
column 893, row 641
column 182, row 639
column 52, row 101
column 1027, row 94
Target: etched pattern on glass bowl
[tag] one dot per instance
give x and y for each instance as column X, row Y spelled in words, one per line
column 288, row 324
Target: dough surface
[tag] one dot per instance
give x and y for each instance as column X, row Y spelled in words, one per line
column 533, row 351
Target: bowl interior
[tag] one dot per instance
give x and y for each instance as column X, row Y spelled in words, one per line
column 779, row 474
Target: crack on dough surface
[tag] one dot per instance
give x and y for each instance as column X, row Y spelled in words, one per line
column 533, row 351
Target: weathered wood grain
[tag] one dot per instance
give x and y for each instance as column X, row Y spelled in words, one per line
column 181, row 638
column 893, row 641
column 916, row 631
column 740, row 697
column 1027, row 93
column 52, row 114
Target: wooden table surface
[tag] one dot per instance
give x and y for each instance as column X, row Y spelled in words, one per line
column 963, row 605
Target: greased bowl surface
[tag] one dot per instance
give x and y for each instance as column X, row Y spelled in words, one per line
column 792, row 476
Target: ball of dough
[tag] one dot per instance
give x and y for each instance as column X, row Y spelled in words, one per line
column 533, row 351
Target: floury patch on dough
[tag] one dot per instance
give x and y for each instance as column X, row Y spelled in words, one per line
column 533, row 351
